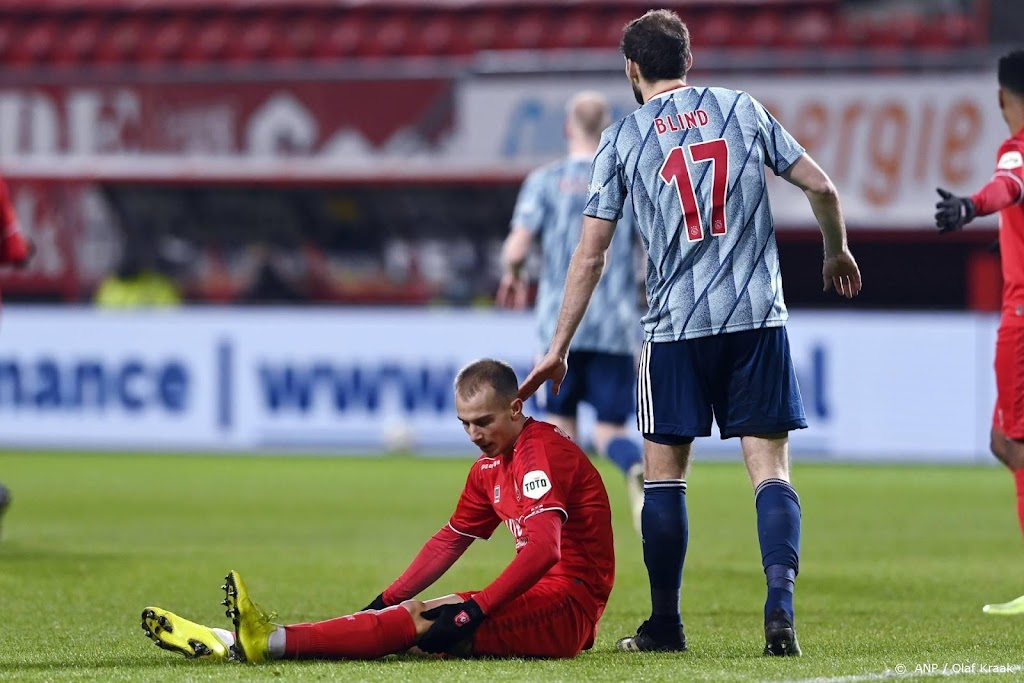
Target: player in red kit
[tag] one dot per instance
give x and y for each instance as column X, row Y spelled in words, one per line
column 546, row 603
column 14, row 251
column 1004, row 193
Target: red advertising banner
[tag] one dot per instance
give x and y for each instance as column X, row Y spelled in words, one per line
column 213, row 119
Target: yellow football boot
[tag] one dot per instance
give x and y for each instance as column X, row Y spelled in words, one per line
column 171, row 632
column 1006, row 608
column 253, row 626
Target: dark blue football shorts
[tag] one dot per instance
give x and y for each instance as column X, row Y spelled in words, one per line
column 744, row 380
column 606, row 381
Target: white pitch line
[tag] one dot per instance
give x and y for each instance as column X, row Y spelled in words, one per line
column 945, row 672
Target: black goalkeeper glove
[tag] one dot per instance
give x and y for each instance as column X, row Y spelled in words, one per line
column 952, row 212
column 452, row 625
column 377, row 604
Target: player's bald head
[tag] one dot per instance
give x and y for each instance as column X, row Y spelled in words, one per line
column 484, row 374
column 1011, row 72
column 589, row 114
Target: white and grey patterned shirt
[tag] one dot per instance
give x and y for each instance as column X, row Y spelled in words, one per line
column 699, row 153
column 550, row 205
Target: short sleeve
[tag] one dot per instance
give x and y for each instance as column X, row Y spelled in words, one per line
column 531, row 205
column 474, row 516
column 1010, row 163
column 780, row 148
column 539, row 483
column 607, row 191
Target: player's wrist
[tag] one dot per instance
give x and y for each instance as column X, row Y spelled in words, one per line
column 478, row 606
column 514, row 269
column 970, row 209
column 835, row 247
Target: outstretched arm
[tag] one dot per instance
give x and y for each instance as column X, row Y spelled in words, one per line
column 1005, row 188
column 839, row 269
column 585, row 271
column 953, row 212
column 455, row 623
column 435, row 558
column 542, row 551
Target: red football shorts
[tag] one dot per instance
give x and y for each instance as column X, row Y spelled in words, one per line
column 1009, row 412
column 542, row 622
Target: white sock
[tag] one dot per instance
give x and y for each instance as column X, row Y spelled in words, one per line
column 275, row 642
column 226, row 637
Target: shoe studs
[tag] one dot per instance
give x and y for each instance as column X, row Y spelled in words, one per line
column 230, row 595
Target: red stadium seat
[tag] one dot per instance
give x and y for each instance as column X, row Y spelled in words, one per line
column 389, row 35
column 528, row 30
column 482, row 30
column 299, row 37
column 957, row 29
column 79, row 42
column 609, row 33
column 37, row 42
column 575, row 29
column 435, row 36
column 714, row 29
column 808, row 28
column 762, row 29
column 256, row 36
column 122, row 41
column 211, row 41
column 167, row 43
column 344, row 39
column 8, row 31
column 900, row 30
column 855, row 29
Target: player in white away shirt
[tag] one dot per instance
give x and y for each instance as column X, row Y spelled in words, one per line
column 602, row 362
column 692, row 160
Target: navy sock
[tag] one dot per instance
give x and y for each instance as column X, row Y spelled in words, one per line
column 778, row 530
column 624, row 453
column 665, row 533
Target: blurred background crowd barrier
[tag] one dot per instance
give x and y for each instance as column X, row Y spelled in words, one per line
column 348, row 153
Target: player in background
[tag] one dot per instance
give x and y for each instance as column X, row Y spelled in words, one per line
column 529, row 477
column 16, row 251
column 692, row 160
column 602, row 361
column 1004, row 193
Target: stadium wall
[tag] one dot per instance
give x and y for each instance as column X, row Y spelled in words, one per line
column 895, row 387
column 886, row 140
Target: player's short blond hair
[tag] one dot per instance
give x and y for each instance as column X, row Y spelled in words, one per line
column 487, row 373
column 589, row 113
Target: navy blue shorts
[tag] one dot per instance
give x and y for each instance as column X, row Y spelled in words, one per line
column 744, row 380
column 607, row 381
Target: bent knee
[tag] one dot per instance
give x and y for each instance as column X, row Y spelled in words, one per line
column 415, row 607
column 997, row 444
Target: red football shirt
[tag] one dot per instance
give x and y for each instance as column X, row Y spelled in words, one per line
column 1008, row 181
column 546, row 471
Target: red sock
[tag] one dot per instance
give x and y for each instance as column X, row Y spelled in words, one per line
column 1019, row 478
column 364, row 635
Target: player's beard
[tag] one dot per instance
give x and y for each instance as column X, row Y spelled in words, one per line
column 637, row 94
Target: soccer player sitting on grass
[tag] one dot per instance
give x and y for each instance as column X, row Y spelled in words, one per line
column 546, row 603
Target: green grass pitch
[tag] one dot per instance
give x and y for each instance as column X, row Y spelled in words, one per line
column 897, row 562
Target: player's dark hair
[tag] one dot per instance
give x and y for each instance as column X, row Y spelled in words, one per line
column 487, row 372
column 659, row 43
column 1011, row 71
